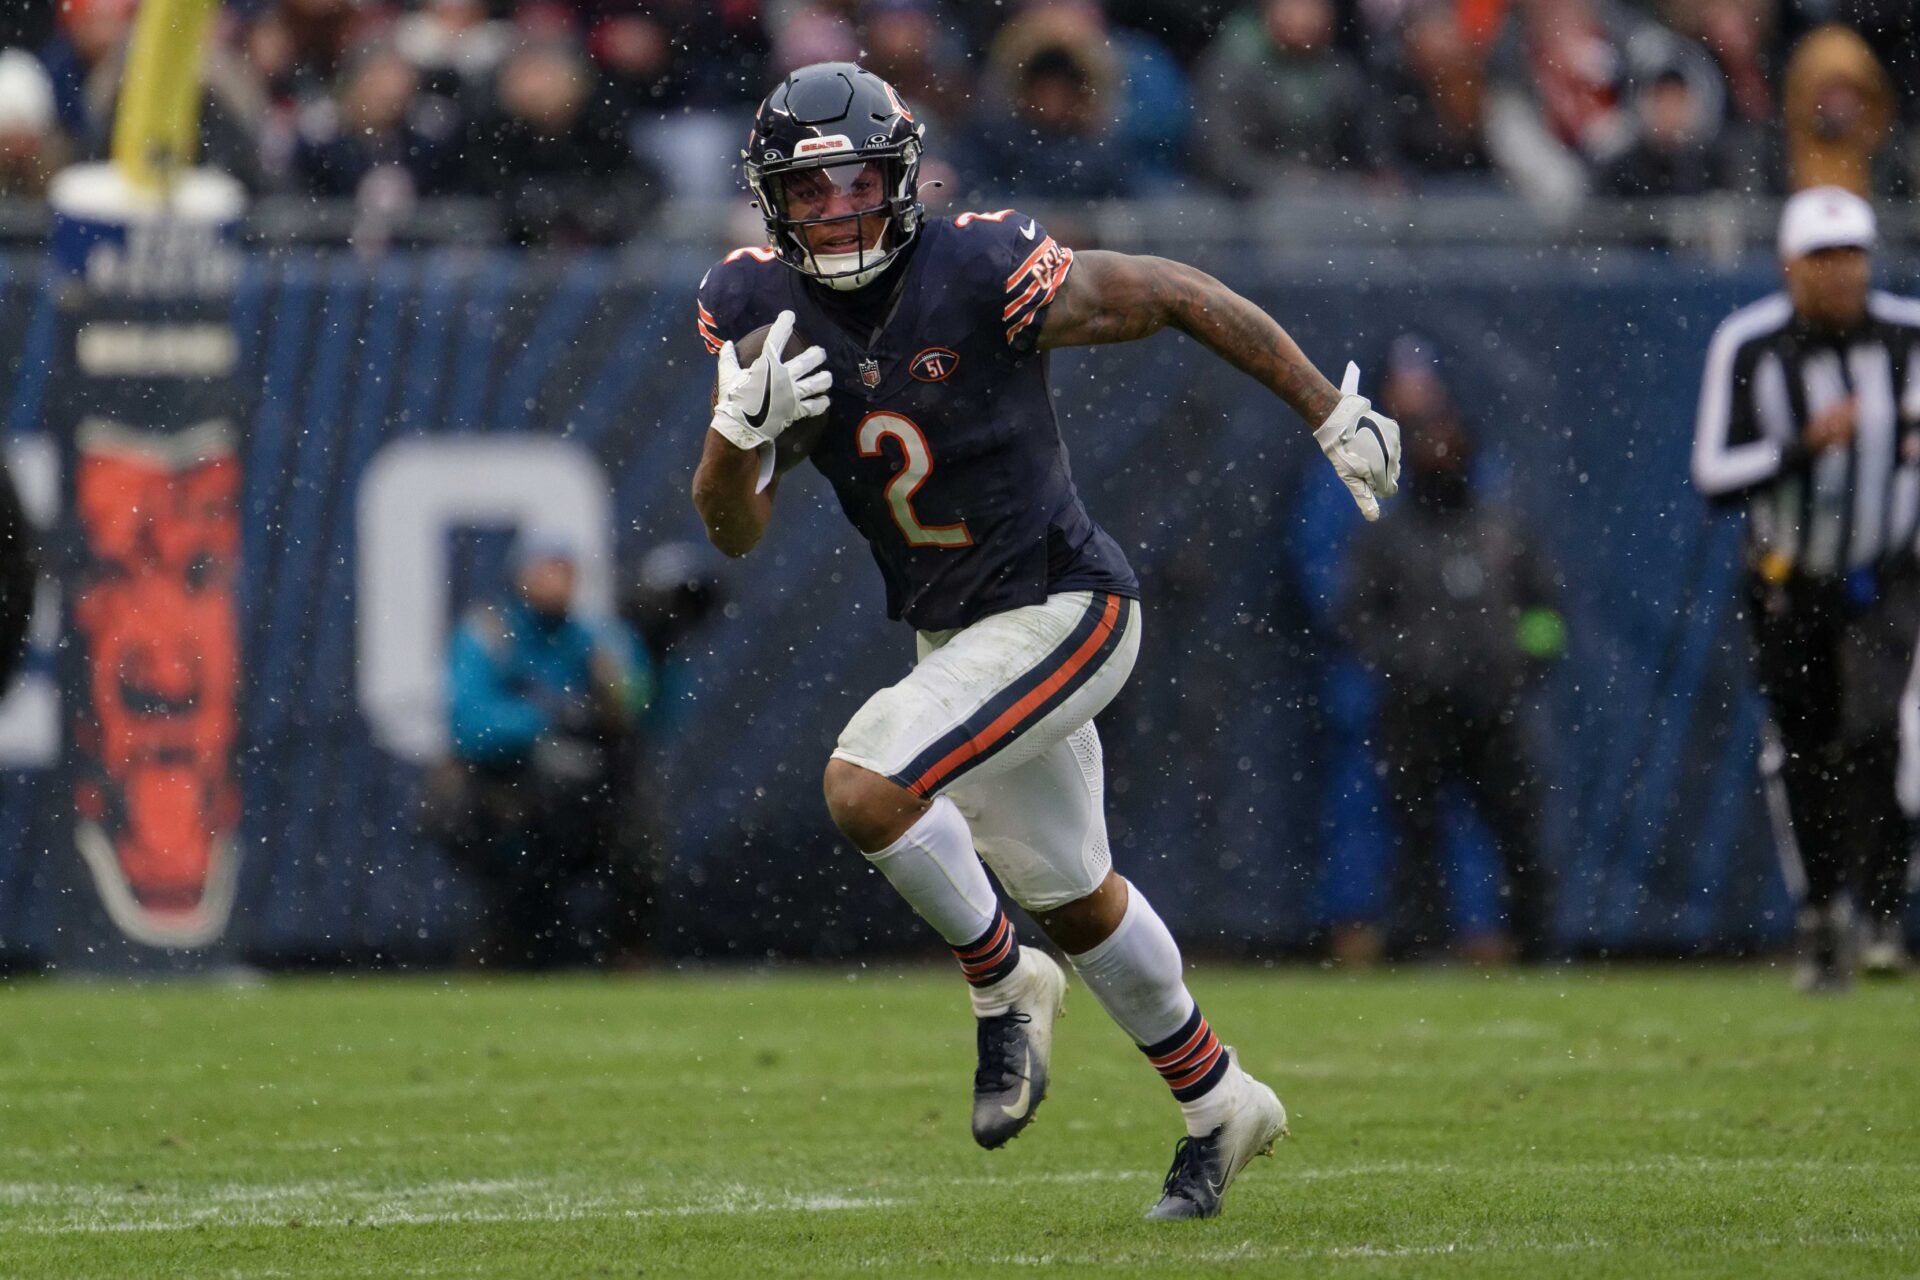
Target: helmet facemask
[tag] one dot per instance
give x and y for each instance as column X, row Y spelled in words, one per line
column 841, row 220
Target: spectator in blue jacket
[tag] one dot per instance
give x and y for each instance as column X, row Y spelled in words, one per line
column 531, row 668
column 543, row 705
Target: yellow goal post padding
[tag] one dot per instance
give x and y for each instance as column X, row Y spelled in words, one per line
column 156, row 128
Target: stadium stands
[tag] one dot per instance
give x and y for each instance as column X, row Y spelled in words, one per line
column 595, row 121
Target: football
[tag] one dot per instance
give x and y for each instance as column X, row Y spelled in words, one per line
column 798, row 440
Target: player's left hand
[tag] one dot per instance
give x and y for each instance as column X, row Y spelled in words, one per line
column 1363, row 446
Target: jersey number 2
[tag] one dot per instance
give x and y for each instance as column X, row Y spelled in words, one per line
column 916, row 466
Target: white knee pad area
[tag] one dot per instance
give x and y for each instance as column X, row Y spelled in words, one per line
column 1042, row 826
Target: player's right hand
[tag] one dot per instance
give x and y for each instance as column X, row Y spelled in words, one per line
column 1363, row 446
column 757, row 403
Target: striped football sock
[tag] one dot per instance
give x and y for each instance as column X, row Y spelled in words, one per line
column 993, row 955
column 1191, row 1060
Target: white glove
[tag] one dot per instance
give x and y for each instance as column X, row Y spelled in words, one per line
column 759, row 402
column 1363, row 446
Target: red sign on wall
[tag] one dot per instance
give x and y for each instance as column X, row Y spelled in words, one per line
column 157, row 803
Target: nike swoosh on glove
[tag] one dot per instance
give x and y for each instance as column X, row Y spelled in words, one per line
column 759, row 402
column 1363, row 446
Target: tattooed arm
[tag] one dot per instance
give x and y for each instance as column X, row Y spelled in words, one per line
column 1117, row 297
column 1114, row 297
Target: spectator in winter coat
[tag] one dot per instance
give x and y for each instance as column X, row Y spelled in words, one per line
column 1452, row 605
column 1279, row 103
column 1672, row 153
column 1047, row 122
column 378, row 132
column 542, row 707
column 1737, row 35
column 555, row 153
column 1435, row 112
column 1839, row 115
column 31, row 146
column 90, row 33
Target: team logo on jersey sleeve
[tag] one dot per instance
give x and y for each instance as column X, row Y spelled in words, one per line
column 935, row 364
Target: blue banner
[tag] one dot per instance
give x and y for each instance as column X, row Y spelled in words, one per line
column 397, row 415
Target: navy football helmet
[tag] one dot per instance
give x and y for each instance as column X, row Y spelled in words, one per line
column 834, row 144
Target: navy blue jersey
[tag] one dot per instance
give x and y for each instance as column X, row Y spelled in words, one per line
column 940, row 441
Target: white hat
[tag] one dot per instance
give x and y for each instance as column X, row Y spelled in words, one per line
column 1825, row 218
column 26, row 93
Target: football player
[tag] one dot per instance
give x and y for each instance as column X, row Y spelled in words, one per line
column 940, row 442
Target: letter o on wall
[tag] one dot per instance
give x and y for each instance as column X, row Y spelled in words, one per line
column 414, row 493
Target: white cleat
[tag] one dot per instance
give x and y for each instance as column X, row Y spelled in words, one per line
column 1015, row 1049
column 1824, row 938
column 1203, row 1168
column 1883, row 948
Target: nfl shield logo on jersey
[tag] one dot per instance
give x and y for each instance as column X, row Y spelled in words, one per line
column 869, row 373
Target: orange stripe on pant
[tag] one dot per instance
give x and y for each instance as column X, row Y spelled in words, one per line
column 1011, row 717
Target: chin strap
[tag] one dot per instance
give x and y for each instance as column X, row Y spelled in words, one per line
column 828, row 267
column 857, row 280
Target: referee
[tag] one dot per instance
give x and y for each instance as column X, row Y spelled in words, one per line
column 1810, row 416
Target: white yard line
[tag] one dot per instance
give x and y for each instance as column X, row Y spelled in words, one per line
column 80, row 1208
column 1453, row 1169
column 57, row 1194
column 1248, row 1251
column 429, row 1204
column 66, row 1195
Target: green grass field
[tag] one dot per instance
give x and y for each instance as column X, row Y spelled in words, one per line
column 1636, row 1123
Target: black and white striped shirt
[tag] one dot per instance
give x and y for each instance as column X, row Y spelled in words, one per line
column 1768, row 374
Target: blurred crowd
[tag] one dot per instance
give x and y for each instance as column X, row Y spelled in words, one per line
column 579, row 116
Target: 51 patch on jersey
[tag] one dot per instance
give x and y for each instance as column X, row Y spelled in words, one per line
column 935, row 364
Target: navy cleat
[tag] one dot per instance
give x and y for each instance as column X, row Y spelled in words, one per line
column 1203, row 1168
column 1015, row 1048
